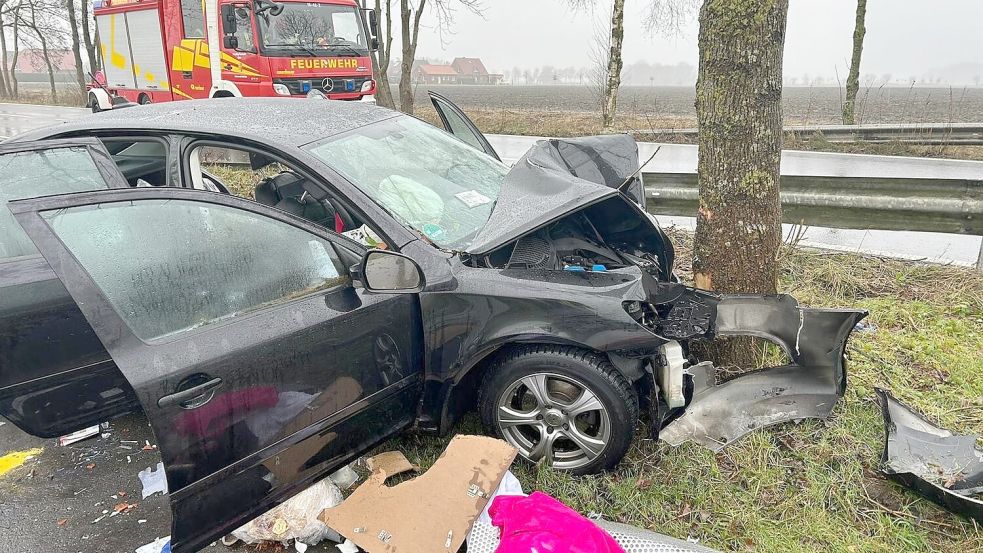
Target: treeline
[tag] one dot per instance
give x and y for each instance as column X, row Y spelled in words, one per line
column 46, row 28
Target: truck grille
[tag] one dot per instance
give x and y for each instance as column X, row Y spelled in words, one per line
column 329, row 85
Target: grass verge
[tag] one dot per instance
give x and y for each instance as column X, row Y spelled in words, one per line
column 813, row 486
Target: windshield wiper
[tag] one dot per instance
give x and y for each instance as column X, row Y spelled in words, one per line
column 354, row 52
column 309, row 51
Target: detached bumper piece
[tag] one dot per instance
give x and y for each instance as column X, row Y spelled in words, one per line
column 945, row 467
column 813, row 339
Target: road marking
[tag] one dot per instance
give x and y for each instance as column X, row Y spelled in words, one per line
column 15, row 459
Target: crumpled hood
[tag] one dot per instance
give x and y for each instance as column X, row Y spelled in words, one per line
column 555, row 177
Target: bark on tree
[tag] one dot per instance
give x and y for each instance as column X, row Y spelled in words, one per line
column 90, row 45
column 615, row 64
column 739, row 114
column 409, row 17
column 853, row 78
column 76, row 42
column 382, row 57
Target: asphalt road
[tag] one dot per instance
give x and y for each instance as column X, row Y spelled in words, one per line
column 19, row 118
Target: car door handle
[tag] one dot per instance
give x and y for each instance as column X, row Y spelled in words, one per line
column 184, row 396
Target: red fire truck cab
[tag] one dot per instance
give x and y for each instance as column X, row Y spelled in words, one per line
column 162, row 50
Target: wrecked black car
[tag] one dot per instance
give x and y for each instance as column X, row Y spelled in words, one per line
column 388, row 275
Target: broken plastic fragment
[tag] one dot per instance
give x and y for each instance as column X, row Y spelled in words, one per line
column 945, row 467
column 153, row 480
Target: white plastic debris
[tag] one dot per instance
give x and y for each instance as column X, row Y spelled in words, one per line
column 159, row 545
column 347, row 547
column 295, row 519
column 509, row 485
column 344, row 477
column 153, row 480
column 78, row 436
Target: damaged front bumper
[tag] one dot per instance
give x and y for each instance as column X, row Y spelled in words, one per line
column 715, row 414
column 945, row 467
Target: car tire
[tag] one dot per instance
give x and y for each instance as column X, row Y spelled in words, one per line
column 589, row 414
column 144, row 100
column 94, row 104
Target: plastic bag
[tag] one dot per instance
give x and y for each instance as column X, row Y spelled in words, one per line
column 295, row 519
column 541, row 523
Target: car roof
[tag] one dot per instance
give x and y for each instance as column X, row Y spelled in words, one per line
column 288, row 121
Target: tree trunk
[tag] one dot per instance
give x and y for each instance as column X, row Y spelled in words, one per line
column 12, row 81
column 4, row 85
column 739, row 114
column 615, row 64
column 384, row 93
column 76, row 42
column 45, row 55
column 853, row 79
column 90, row 45
column 410, row 27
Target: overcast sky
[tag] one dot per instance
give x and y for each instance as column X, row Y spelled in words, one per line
column 904, row 37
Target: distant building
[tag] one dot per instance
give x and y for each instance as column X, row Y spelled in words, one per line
column 435, row 74
column 460, row 71
column 31, row 61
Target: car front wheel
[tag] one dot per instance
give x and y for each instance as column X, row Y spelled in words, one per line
column 565, row 406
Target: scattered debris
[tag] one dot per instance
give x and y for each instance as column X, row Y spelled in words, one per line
column 90, row 466
column 391, row 463
column 295, row 519
column 159, row 545
column 945, row 467
column 78, row 436
column 62, row 521
column 347, row 547
column 153, row 480
column 148, row 447
column 432, row 512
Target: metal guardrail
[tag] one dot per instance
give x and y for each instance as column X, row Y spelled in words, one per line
column 827, row 190
column 955, row 134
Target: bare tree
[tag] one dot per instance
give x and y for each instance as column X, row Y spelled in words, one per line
column 43, row 19
column 853, row 78
column 739, row 113
column 12, row 76
column 382, row 57
column 410, row 14
column 72, row 17
column 6, row 17
column 660, row 16
column 87, row 39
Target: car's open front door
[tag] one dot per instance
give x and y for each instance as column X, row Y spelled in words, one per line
column 259, row 364
column 460, row 125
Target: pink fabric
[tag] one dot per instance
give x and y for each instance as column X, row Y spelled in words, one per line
column 540, row 524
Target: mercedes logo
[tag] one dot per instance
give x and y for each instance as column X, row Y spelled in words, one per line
column 327, row 84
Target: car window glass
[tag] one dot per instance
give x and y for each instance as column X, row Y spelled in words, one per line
column 40, row 173
column 212, row 263
column 193, row 18
column 142, row 162
column 459, row 128
column 258, row 177
column 423, row 176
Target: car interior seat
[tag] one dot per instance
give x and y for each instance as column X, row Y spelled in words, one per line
column 286, row 192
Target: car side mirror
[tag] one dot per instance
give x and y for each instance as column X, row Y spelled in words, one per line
column 374, row 44
column 229, row 24
column 391, row 272
column 230, row 42
column 373, row 23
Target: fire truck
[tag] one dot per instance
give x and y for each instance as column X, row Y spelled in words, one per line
column 163, row 50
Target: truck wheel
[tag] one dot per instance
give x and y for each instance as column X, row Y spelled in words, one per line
column 144, row 100
column 94, row 104
column 561, row 404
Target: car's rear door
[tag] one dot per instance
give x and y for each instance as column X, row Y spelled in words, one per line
column 55, row 376
column 460, row 125
column 259, row 364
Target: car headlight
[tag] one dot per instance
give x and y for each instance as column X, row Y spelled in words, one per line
column 368, row 85
column 281, row 89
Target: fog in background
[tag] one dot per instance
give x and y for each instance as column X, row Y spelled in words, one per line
column 931, row 42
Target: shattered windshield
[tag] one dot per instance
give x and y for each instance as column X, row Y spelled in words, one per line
column 423, row 176
column 314, row 28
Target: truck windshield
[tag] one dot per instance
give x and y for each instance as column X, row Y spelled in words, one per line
column 313, row 28
column 423, row 176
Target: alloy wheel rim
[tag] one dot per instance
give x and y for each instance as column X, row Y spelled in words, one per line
column 551, row 416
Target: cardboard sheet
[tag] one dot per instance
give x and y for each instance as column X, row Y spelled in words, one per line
column 391, row 463
column 428, row 514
